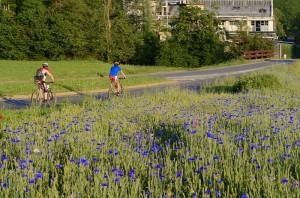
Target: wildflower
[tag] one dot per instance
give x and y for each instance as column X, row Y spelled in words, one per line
column 117, row 180
column 178, row 174
column 218, row 193
column 39, row 175
column 36, row 150
column 207, row 192
column 96, row 171
column 32, row 181
column 244, row 196
column 284, row 181
column 95, row 159
column 3, row 158
column 1, row 117
column 104, row 184
column 159, row 166
column 59, row 166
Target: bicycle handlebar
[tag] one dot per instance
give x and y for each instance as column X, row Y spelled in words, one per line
column 122, row 77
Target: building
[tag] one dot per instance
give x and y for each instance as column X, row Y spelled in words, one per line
column 257, row 15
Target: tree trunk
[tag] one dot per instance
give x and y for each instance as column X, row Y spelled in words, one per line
column 107, row 9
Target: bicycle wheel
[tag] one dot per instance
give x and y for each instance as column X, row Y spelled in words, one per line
column 37, row 98
column 122, row 92
column 51, row 98
column 111, row 93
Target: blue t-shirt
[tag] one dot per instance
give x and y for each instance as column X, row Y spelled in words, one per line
column 114, row 70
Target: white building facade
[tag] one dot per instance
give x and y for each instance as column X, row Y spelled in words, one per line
column 257, row 15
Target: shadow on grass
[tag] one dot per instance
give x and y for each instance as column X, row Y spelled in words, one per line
column 69, row 88
column 220, row 89
column 10, row 101
column 15, row 102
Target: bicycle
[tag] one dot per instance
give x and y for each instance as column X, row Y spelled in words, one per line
column 113, row 90
column 37, row 97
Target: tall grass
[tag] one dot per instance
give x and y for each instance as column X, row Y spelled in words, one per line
column 175, row 143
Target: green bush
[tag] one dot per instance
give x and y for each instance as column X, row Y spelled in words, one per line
column 257, row 81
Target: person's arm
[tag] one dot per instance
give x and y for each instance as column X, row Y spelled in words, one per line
column 123, row 73
column 51, row 76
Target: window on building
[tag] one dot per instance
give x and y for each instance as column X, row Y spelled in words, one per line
column 234, row 22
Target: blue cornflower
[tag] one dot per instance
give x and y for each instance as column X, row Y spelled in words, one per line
column 117, row 180
column 284, row 181
column 147, row 193
column 216, row 157
column 207, row 192
column 178, row 174
column 104, row 184
column 218, row 193
column 59, row 166
column 244, row 196
column 96, row 171
column 1, row 166
column 3, row 158
column 159, row 166
column 32, row 181
column 39, row 175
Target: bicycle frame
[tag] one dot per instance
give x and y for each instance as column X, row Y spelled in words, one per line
column 113, row 89
column 37, row 97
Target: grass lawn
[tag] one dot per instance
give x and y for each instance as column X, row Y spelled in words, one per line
column 16, row 77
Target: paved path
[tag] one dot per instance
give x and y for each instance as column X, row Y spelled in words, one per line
column 186, row 79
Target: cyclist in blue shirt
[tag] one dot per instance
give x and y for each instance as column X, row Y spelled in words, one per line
column 113, row 74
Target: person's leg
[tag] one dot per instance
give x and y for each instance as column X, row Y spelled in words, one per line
column 45, row 92
column 118, row 84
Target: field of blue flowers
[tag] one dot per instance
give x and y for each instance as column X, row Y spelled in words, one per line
column 175, row 143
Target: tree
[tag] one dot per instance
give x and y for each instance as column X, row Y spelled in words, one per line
column 288, row 19
column 197, row 34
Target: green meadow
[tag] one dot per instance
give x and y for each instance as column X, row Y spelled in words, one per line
column 237, row 137
column 16, row 77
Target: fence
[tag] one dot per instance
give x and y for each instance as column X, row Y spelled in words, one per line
column 258, row 54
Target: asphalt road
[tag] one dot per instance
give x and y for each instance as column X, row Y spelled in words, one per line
column 188, row 80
